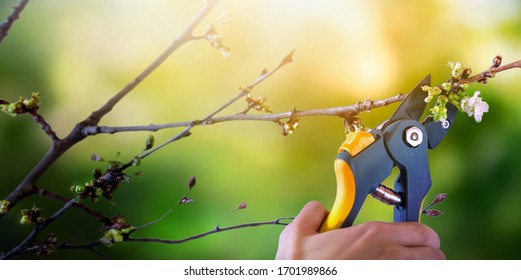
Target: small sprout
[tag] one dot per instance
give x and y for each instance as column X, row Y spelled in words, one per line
column 31, row 216
column 257, row 103
column 191, row 182
column 96, row 173
column 96, row 157
column 78, row 189
column 150, row 142
column 21, row 106
column 446, row 86
column 111, row 237
column 290, row 126
column 242, row 205
column 457, row 69
column 466, row 73
column 4, row 206
column 114, row 165
column 264, row 72
column 25, row 220
column 215, row 41
column 49, row 246
column 136, row 161
column 288, row 58
column 433, row 213
column 185, row 200
column 99, row 192
column 496, row 62
column 439, row 198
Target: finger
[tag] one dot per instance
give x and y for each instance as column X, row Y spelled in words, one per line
column 412, row 234
column 311, row 216
column 420, row 253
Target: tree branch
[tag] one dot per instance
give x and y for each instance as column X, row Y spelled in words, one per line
column 58, row 197
column 342, row 111
column 45, row 126
column 213, row 231
column 6, row 25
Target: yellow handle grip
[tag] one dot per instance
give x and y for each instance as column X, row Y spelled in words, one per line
column 345, row 180
column 345, row 197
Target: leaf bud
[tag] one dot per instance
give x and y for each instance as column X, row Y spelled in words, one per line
column 191, row 182
column 96, row 173
column 25, row 220
column 78, row 189
column 4, row 206
column 496, row 62
column 150, row 142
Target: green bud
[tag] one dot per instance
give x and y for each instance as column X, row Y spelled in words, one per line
column 4, row 206
column 25, row 212
column 136, row 161
column 99, row 191
column 127, row 230
column 464, row 87
column 40, row 220
column 96, row 172
column 113, row 235
column 446, row 86
column 25, row 220
column 79, row 189
column 150, row 142
column 434, row 91
column 89, row 183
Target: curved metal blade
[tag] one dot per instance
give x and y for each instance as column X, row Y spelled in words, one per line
column 413, row 106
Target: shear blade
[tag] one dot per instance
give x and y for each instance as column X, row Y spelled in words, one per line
column 413, row 106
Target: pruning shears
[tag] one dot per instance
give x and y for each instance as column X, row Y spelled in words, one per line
column 366, row 158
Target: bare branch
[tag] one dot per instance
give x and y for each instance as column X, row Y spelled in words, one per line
column 8, row 23
column 342, row 111
column 278, row 221
column 45, row 126
column 58, row 197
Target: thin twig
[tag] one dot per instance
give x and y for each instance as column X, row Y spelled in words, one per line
column 8, row 23
column 45, row 126
column 58, row 197
column 243, row 92
column 342, row 111
column 213, row 231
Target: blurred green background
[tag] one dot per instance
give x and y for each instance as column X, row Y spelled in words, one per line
column 77, row 54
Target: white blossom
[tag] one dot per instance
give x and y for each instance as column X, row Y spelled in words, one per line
column 474, row 106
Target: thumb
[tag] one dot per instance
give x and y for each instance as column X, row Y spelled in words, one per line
column 310, row 217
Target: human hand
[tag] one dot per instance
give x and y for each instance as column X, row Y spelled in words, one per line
column 371, row 240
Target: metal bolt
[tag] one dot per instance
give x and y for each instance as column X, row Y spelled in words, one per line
column 445, row 124
column 413, row 136
column 386, row 195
